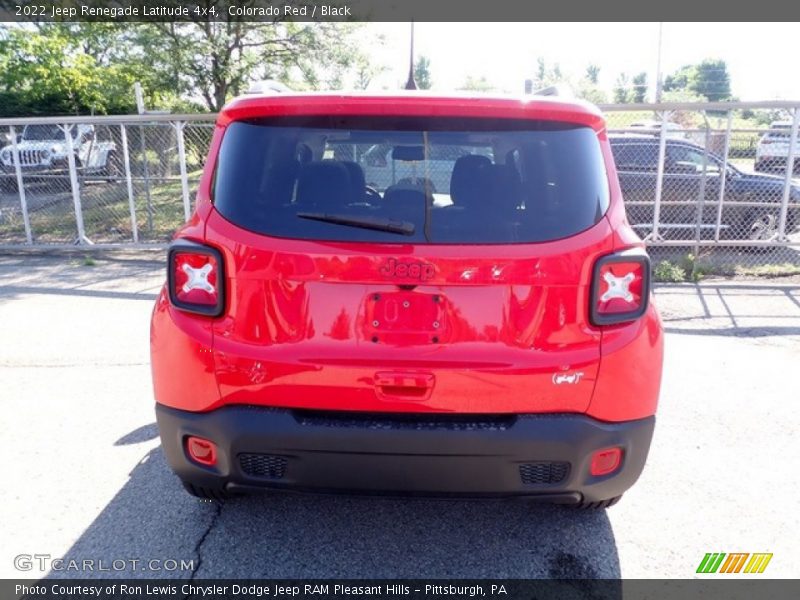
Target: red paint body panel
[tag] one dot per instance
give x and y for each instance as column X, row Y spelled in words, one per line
column 181, row 358
column 492, row 328
column 300, row 320
column 630, row 375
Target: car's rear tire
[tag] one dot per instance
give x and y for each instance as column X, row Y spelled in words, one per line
column 216, row 494
column 761, row 225
column 597, row 505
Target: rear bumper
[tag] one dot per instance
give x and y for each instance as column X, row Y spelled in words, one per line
column 265, row 448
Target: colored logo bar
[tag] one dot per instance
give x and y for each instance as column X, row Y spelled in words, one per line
column 737, row 562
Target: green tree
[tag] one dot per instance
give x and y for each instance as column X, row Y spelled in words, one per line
column 541, row 71
column 48, row 71
column 679, row 80
column 709, row 79
column 592, row 73
column 79, row 68
column 422, row 73
column 591, row 94
column 622, row 89
column 217, row 60
column 639, row 91
column 588, row 88
column 547, row 76
column 365, row 72
column 713, row 80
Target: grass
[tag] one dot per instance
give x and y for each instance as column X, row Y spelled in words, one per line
column 696, row 268
column 688, row 268
column 105, row 210
column 775, row 270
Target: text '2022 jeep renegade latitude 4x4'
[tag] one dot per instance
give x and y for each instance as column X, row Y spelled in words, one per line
column 487, row 331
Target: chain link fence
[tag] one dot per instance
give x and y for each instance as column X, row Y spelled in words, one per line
column 102, row 181
column 710, row 187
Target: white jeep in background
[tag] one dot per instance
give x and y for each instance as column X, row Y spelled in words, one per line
column 772, row 151
column 43, row 151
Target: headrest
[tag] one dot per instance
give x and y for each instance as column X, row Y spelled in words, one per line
column 324, row 185
column 471, row 180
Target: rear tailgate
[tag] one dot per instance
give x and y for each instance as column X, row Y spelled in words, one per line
column 407, row 327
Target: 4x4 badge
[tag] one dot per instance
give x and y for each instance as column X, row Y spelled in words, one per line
column 408, row 270
column 559, row 378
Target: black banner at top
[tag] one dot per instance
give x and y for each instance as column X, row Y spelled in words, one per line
column 395, row 10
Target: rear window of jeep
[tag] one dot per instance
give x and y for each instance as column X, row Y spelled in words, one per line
column 437, row 180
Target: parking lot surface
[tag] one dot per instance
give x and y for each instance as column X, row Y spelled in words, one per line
column 86, row 479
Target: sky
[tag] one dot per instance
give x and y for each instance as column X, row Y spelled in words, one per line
column 761, row 57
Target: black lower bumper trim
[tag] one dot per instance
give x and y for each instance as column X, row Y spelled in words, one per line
column 281, row 449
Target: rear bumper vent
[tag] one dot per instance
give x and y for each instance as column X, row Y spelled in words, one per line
column 266, row 466
column 540, row 473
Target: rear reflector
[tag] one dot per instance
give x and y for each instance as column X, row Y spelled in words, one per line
column 605, row 461
column 195, row 279
column 201, row 451
column 620, row 287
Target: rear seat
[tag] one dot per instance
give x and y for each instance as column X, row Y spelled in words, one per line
column 485, row 196
column 323, row 186
column 358, row 181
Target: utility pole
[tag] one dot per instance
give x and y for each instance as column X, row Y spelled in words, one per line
column 411, row 84
column 659, row 83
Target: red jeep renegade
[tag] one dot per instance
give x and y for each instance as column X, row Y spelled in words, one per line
column 408, row 294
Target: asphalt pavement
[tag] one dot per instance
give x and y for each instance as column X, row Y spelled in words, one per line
column 86, row 479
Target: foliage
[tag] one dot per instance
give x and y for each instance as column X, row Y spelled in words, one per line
column 546, row 76
column 90, row 68
column 630, row 89
column 639, row 91
column 591, row 93
column 217, row 60
column 764, row 117
column 622, row 92
column 422, row 73
column 74, row 68
column 541, row 70
column 693, row 267
column 665, row 271
column 690, row 268
column 709, row 79
column 477, row 84
column 592, row 73
column 588, row 88
column 365, row 72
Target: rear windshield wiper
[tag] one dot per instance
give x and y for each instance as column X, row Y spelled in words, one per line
column 376, row 223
